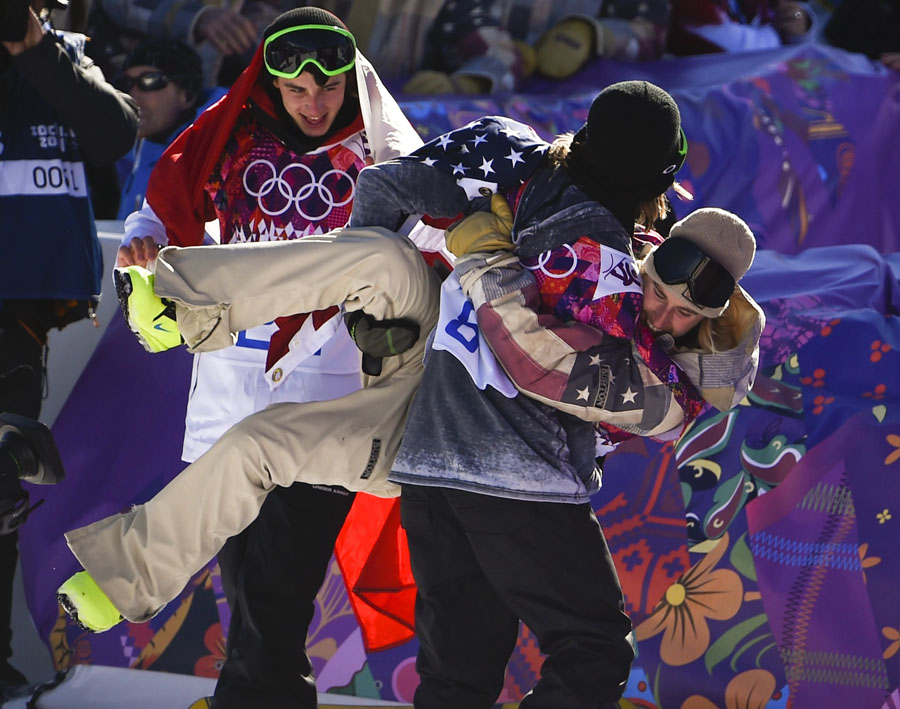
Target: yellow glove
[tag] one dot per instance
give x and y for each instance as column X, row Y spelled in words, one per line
column 565, row 48
column 483, row 231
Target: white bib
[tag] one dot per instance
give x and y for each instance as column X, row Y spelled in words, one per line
column 457, row 333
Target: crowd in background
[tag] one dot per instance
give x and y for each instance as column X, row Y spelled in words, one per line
column 431, row 47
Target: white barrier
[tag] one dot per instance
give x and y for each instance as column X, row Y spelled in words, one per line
column 71, row 348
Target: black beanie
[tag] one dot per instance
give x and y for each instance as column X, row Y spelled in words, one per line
column 174, row 58
column 303, row 16
column 285, row 128
column 628, row 150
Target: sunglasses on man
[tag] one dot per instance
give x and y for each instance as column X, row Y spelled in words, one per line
column 330, row 49
column 147, row 81
column 678, row 261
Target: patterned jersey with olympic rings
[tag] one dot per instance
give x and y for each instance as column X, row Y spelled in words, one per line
column 263, row 191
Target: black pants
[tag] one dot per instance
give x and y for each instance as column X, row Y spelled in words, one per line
column 271, row 573
column 21, row 391
column 484, row 563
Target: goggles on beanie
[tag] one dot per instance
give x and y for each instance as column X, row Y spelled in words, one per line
column 330, row 49
column 147, row 81
column 679, row 156
column 678, row 261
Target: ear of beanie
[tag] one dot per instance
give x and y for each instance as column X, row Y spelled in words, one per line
column 721, row 235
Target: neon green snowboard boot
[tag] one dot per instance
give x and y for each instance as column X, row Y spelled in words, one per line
column 86, row 604
column 150, row 317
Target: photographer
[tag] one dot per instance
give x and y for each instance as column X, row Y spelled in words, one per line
column 56, row 112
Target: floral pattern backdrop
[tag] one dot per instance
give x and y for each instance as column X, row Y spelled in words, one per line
column 758, row 552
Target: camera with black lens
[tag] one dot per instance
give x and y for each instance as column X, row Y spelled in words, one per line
column 27, row 452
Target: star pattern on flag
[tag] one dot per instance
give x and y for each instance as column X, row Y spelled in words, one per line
column 514, row 157
column 495, row 149
column 628, row 396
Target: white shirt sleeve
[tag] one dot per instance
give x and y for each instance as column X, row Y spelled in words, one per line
column 144, row 222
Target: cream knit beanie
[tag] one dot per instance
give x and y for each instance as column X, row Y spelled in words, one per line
column 722, row 236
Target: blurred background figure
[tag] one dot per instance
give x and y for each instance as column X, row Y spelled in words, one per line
column 466, row 49
column 165, row 78
column 708, row 26
column 56, row 113
column 870, row 27
column 439, row 46
column 624, row 30
column 484, row 46
column 224, row 33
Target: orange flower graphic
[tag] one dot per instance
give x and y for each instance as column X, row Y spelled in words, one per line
column 703, row 592
column 892, row 634
column 894, row 440
column 867, row 562
column 749, row 690
column 210, row 665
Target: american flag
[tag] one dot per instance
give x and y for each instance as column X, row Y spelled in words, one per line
column 492, row 154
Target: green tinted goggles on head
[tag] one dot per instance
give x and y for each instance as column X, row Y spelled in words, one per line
column 330, row 49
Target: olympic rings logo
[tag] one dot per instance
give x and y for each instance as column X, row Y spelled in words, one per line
column 545, row 257
column 281, row 190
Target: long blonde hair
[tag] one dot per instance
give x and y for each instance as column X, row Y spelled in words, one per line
column 726, row 331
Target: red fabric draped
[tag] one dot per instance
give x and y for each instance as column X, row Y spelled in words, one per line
column 374, row 559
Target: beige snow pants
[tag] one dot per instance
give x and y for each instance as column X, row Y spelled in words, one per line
column 142, row 559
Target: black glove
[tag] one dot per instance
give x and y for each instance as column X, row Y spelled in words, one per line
column 380, row 338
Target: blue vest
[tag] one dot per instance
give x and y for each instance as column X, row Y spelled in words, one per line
column 48, row 240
